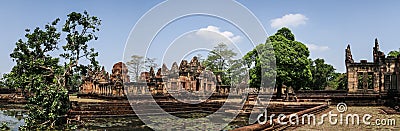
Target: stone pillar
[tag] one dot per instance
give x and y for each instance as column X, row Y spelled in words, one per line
column 352, row 79
column 109, row 90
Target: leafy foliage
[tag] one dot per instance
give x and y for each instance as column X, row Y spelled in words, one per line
column 80, row 29
column 338, row 81
column 4, row 126
column 39, row 74
column 394, row 53
column 219, row 60
column 294, row 68
column 261, row 62
column 292, row 63
column 322, row 73
column 2, row 83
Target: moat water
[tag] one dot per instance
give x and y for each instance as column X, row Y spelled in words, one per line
column 13, row 116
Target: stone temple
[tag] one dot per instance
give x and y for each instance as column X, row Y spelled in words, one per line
column 100, row 82
column 382, row 75
column 188, row 76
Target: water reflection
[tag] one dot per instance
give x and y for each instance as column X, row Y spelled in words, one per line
column 13, row 117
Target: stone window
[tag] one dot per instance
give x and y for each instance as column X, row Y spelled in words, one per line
column 173, row 85
column 360, row 79
column 394, row 82
column 365, row 80
column 387, row 82
column 371, row 80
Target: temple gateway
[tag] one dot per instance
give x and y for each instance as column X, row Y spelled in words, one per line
column 379, row 76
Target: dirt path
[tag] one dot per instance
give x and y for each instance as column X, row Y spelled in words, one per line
column 375, row 112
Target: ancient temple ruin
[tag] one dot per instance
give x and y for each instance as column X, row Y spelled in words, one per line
column 379, row 76
column 188, row 76
column 100, row 82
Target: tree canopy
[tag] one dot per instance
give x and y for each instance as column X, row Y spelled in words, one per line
column 394, row 53
column 322, row 73
column 292, row 62
column 219, row 61
column 80, row 30
column 39, row 74
column 338, row 81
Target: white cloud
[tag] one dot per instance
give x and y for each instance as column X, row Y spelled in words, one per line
column 289, row 20
column 204, row 32
column 313, row 47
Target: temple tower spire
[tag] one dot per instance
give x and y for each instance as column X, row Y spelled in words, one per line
column 349, row 56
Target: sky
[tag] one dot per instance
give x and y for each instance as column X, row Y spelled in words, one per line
column 326, row 27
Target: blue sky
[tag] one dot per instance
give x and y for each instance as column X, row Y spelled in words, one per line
column 325, row 26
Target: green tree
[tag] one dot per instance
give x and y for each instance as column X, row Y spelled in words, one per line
column 238, row 72
column 285, row 32
column 261, row 61
column 4, row 126
column 338, row 81
column 394, row 53
column 38, row 73
column 292, row 63
column 219, row 60
column 2, row 85
column 80, row 30
column 321, row 74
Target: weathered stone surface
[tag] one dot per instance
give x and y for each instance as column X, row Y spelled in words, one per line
column 380, row 76
column 189, row 76
column 101, row 82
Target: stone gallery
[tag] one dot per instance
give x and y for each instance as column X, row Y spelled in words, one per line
column 188, row 76
column 379, row 76
column 101, row 82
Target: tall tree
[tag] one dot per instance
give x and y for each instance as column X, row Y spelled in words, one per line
column 261, row 61
column 285, row 32
column 37, row 72
column 338, row 81
column 292, row 63
column 40, row 74
column 394, row 53
column 138, row 64
column 2, row 84
column 219, row 60
column 80, row 29
column 321, row 74
column 135, row 66
column 238, row 72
